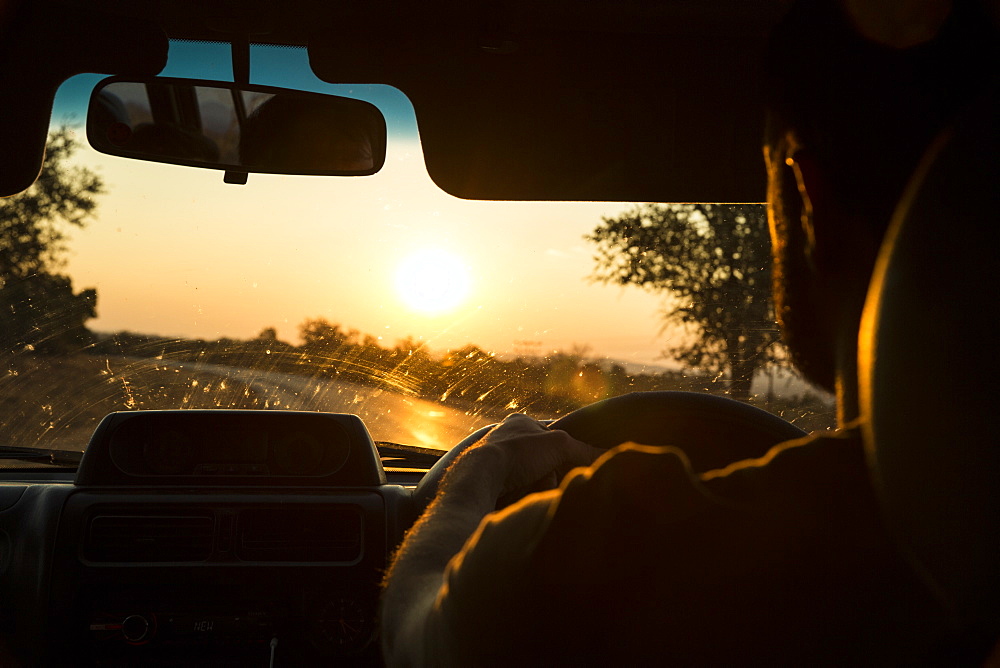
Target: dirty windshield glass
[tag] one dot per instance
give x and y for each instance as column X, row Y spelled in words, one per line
column 127, row 285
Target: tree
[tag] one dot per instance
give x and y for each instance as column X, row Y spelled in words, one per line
column 714, row 260
column 268, row 334
column 39, row 309
column 40, row 312
column 319, row 334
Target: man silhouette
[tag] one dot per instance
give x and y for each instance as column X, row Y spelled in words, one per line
column 635, row 559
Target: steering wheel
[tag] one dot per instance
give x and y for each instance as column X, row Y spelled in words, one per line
column 713, row 431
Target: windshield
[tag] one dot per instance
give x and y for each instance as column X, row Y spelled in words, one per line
column 133, row 285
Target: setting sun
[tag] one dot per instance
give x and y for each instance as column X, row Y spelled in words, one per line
column 432, row 281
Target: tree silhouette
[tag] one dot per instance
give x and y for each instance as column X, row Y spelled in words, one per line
column 319, row 334
column 40, row 312
column 38, row 309
column 714, row 260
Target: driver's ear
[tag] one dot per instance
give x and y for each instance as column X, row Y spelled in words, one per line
column 900, row 24
column 814, row 196
column 835, row 241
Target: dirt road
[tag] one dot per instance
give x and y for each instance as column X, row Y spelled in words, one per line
column 390, row 416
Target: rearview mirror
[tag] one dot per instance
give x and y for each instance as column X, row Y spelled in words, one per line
column 241, row 129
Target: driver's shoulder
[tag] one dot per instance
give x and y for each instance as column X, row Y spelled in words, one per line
column 820, row 465
column 791, row 543
column 802, row 495
column 822, row 474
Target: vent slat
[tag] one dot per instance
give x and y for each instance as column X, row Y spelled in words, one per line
column 150, row 538
column 312, row 534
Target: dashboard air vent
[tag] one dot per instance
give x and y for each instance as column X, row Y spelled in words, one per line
column 150, row 537
column 305, row 533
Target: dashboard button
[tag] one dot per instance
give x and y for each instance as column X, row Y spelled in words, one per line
column 135, row 628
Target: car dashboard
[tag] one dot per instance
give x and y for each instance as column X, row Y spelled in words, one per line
column 203, row 538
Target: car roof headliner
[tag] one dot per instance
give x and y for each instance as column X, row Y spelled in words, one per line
column 523, row 99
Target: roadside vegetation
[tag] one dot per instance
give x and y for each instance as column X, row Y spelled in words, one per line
column 469, row 378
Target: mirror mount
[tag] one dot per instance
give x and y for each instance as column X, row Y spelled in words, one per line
column 235, row 178
column 240, row 47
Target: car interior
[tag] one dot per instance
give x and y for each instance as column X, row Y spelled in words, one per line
column 237, row 536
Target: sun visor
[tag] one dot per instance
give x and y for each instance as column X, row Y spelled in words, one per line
column 40, row 50
column 572, row 115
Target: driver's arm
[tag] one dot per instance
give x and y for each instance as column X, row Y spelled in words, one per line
column 514, row 456
column 636, row 560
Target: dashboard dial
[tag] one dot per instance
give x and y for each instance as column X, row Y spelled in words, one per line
column 343, row 624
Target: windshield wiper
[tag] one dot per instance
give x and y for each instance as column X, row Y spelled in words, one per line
column 44, row 455
column 399, row 456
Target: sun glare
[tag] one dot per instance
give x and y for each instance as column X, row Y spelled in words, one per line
column 432, row 281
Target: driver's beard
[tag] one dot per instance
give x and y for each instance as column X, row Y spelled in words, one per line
column 801, row 311
column 811, row 343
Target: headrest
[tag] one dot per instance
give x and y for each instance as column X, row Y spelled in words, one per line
column 40, row 50
column 930, row 369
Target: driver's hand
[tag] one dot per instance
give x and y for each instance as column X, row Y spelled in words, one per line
column 534, row 458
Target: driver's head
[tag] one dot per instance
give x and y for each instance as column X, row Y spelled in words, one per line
column 856, row 92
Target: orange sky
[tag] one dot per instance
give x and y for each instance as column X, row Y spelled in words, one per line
column 175, row 251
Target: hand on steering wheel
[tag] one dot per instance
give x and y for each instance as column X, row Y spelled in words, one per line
column 713, row 431
column 535, row 456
